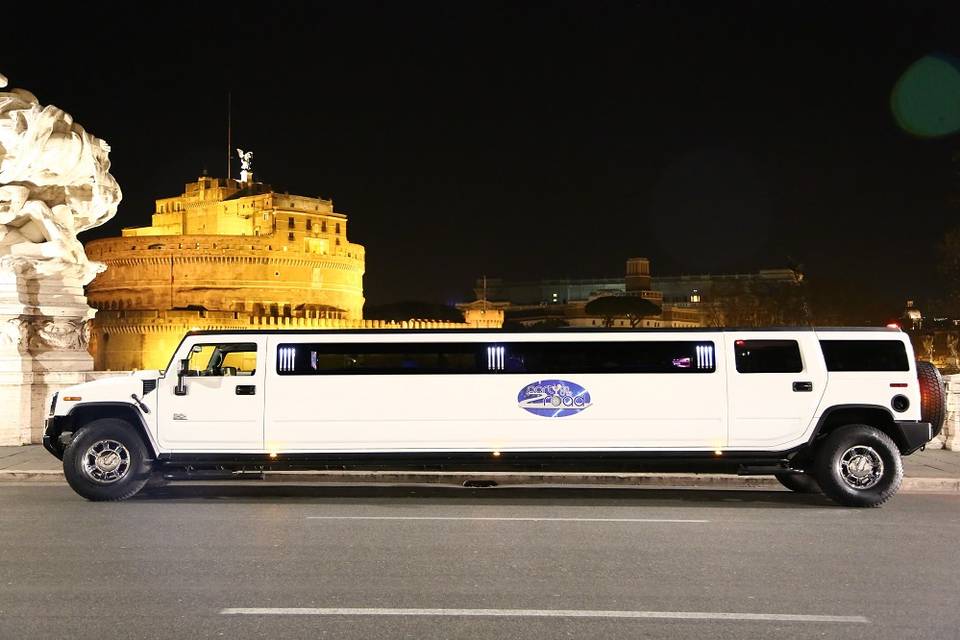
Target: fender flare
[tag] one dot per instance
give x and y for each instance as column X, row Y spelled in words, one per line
column 889, row 425
column 123, row 410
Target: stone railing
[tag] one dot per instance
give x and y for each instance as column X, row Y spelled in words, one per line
column 950, row 437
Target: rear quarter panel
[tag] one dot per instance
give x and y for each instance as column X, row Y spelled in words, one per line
column 872, row 387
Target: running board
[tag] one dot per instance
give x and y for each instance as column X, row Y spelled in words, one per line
column 765, row 470
column 210, row 474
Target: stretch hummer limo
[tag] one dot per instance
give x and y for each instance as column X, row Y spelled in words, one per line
column 829, row 410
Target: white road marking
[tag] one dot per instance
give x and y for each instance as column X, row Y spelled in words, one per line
column 543, row 613
column 475, row 519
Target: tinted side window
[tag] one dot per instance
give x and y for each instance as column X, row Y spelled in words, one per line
column 507, row 357
column 294, row 359
column 865, row 355
column 768, row 356
column 610, row 357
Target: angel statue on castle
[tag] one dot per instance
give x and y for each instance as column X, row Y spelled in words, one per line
column 246, row 160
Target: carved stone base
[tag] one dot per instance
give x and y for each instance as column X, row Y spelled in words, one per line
column 44, row 331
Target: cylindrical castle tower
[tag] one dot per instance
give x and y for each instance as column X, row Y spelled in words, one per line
column 638, row 275
column 225, row 253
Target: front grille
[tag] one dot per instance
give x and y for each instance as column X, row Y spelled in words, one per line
column 148, row 386
column 53, row 403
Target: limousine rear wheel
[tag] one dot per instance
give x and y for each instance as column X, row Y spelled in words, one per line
column 859, row 466
column 106, row 461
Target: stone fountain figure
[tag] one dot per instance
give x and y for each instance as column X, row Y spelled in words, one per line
column 54, row 183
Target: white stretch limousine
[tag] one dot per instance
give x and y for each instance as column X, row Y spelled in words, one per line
column 822, row 409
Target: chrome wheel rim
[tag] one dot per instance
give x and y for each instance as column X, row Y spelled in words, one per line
column 106, row 461
column 861, row 467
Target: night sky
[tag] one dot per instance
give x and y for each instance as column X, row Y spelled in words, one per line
column 531, row 140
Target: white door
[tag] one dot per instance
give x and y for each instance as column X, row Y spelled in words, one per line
column 219, row 406
column 774, row 386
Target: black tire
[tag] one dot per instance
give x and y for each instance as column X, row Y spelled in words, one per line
column 847, row 443
column 133, row 468
column 933, row 396
column 798, row 482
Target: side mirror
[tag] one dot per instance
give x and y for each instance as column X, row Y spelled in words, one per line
column 181, row 389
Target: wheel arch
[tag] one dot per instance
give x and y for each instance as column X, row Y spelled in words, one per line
column 876, row 416
column 88, row 412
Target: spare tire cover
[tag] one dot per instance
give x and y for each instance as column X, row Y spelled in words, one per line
column 933, row 396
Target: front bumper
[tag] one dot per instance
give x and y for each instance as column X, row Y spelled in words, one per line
column 910, row 436
column 52, row 428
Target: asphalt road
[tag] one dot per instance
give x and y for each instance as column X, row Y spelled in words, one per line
column 275, row 561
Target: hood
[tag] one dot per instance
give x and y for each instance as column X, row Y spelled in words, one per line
column 116, row 388
column 146, row 374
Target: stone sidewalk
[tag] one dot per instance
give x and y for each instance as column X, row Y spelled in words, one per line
column 924, row 471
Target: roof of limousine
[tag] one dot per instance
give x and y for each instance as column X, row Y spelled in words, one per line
column 569, row 330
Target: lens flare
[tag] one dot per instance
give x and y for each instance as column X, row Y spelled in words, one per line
column 926, row 99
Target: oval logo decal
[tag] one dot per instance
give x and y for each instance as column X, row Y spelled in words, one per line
column 553, row 398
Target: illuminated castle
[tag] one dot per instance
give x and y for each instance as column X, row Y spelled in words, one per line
column 224, row 254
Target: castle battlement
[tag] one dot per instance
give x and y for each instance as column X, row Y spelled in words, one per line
column 150, row 247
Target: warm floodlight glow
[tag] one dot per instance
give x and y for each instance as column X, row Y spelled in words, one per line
column 496, row 454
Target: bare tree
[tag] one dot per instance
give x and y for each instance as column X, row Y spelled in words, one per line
column 757, row 304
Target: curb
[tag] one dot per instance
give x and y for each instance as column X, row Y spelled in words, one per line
column 506, row 478
column 32, row 476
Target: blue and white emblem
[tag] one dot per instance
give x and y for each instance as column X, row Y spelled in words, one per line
column 553, row 398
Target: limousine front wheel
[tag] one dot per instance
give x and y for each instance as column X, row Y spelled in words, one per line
column 106, row 461
column 859, row 466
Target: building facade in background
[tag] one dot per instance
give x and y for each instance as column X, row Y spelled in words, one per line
column 562, row 302
column 767, row 297
column 764, row 298
column 224, row 254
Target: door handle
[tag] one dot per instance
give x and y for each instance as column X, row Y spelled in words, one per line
column 803, row 386
column 246, row 390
